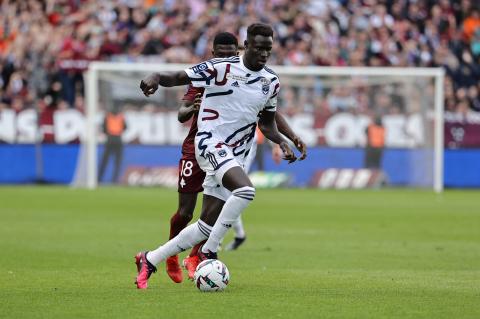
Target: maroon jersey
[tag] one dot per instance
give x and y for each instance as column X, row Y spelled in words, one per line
column 188, row 147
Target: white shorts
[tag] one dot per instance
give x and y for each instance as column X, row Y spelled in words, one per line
column 215, row 162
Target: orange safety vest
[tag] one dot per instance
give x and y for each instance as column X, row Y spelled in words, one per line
column 115, row 124
column 376, row 135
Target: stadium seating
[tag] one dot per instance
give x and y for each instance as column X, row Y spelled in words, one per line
column 45, row 47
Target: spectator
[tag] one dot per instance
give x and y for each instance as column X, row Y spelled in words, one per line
column 45, row 42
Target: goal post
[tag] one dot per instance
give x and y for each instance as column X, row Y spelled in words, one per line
column 415, row 93
column 91, row 136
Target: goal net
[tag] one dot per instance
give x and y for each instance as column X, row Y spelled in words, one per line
column 365, row 127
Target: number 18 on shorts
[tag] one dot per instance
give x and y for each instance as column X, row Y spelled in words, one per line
column 190, row 175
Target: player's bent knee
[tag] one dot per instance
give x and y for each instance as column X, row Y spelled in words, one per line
column 246, row 192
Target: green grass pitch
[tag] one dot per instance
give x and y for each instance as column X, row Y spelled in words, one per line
column 68, row 253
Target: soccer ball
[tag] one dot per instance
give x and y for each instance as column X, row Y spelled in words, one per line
column 211, row 275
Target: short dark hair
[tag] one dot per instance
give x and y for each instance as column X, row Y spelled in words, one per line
column 259, row 29
column 225, row 38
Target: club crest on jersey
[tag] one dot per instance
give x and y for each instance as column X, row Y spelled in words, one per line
column 200, row 67
column 265, row 85
column 222, row 153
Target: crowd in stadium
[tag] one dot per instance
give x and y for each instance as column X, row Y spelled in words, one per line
column 46, row 45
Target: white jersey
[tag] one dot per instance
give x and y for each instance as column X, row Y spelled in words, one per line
column 233, row 97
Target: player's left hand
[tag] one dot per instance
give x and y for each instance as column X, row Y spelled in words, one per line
column 288, row 154
column 301, row 147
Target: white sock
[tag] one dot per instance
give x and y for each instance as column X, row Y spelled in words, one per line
column 238, row 228
column 234, row 206
column 187, row 238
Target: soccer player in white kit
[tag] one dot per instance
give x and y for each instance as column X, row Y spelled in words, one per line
column 237, row 89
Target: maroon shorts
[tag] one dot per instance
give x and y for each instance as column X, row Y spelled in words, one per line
column 190, row 175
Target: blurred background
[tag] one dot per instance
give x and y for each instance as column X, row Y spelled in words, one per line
column 362, row 131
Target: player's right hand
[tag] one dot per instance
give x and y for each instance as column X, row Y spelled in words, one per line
column 196, row 102
column 288, row 154
column 149, row 84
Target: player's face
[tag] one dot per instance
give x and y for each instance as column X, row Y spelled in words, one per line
column 258, row 50
column 224, row 50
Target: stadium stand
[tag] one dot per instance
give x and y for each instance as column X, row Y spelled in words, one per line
column 46, row 45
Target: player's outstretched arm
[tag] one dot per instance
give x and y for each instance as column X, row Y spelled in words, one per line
column 286, row 130
column 269, row 128
column 167, row 79
column 188, row 108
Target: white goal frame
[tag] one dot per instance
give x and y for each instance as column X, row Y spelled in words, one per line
column 92, row 94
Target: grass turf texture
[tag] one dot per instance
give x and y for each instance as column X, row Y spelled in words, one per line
column 310, row 254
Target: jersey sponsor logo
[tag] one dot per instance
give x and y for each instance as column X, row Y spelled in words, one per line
column 235, row 84
column 237, row 77
column 200, row 67
column 222, row 153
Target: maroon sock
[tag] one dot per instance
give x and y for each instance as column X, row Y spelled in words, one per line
column 177, row 223
column 196, row 248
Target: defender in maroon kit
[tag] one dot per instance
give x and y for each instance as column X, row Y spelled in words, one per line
column 190, row 176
